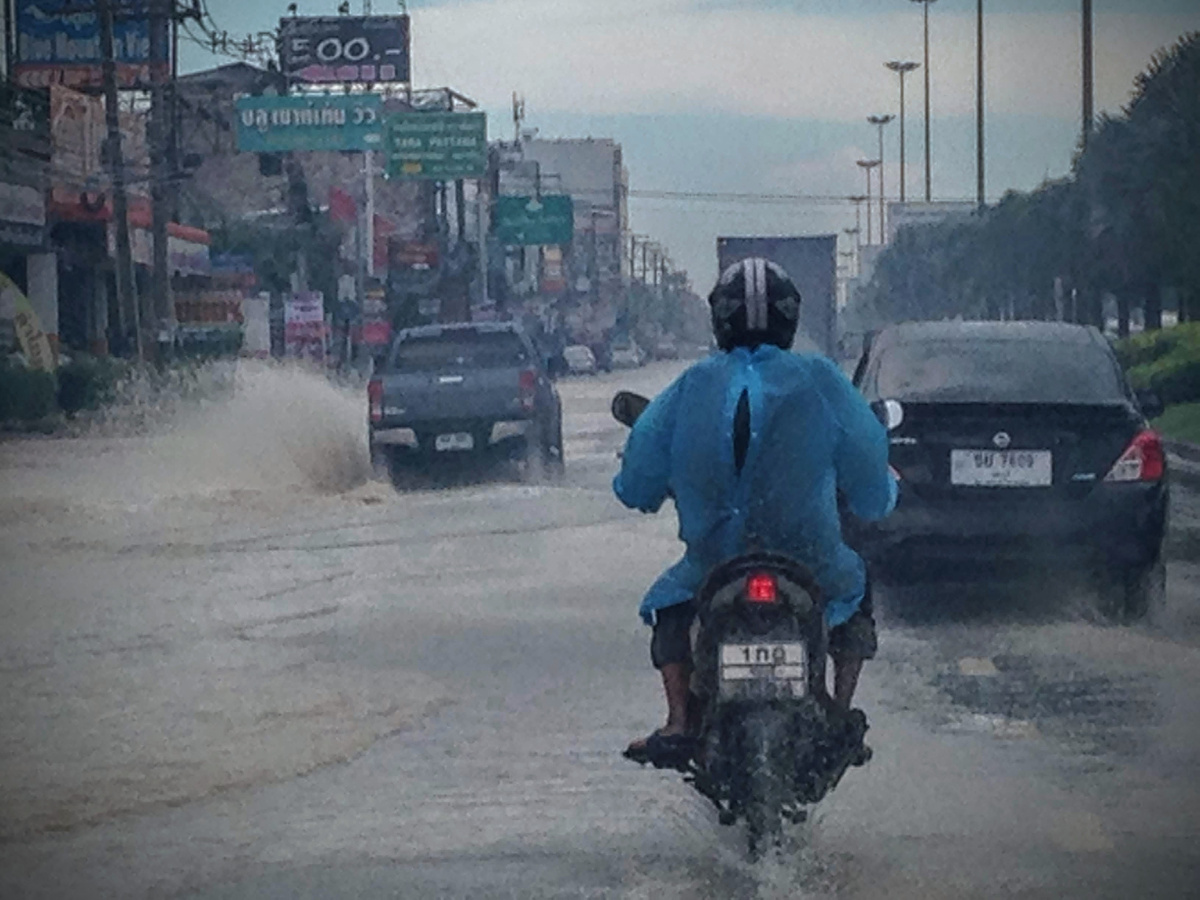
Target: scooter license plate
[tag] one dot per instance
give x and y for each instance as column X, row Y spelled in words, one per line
column 778, row 663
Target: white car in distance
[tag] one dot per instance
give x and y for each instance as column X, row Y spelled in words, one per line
column 580, row 360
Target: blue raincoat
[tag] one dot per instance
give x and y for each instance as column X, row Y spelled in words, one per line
column 811, row 435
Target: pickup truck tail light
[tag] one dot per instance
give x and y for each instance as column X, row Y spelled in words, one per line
column 375, row 399
column 528, row 384
column 1143, row 460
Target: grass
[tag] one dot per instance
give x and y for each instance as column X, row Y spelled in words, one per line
column 1181, row 422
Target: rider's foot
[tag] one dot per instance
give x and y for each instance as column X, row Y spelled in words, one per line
column 663, row 748
column 667, row 731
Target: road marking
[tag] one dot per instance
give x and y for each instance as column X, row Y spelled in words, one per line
column 977, row 667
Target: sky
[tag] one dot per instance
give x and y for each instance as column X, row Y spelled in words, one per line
column 771, row 96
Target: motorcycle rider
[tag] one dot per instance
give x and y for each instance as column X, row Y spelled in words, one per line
column 756, row 442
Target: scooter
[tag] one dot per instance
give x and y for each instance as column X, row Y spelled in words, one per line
column 770, row 741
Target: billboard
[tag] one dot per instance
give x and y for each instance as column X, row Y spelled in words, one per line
column 901, row 215
column 58, row 42
column 437, row 145
column 345, row 49
column 309, row 122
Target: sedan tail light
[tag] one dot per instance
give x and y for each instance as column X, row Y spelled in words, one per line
column 1143, row 460
column 375, row 399
column 528, row 385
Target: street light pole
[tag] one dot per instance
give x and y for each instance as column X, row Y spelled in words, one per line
column 858, row 200
column 1088, row 89
column 928, row 178
column 879, row 122
column 902, row 68
column 867, row 165
column 980, row 195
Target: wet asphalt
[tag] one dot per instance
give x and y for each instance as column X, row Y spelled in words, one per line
column 300, row 694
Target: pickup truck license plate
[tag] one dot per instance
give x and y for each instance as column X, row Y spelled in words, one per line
column 1001, row 468
column 461, row 440
column 774, row 662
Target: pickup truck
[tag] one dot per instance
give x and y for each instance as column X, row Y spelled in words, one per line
column 466, row 390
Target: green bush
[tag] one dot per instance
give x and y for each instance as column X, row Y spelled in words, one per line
column 1149, row 346
column 26, row 395
column 88, row 382
column 1175, row 378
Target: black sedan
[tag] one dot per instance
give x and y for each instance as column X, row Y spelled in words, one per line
column 1020, row 449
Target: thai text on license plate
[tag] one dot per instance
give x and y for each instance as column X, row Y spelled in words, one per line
column 1001, row 468
column 776, row 662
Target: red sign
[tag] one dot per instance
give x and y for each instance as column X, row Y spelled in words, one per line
column 412, row 254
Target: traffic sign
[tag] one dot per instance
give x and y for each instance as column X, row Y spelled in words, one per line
column 529, row 220
column 309, row 122
column 437, row 145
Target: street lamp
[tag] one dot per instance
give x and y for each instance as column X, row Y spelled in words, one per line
column 858, row 200
column 902, row 69
column 879, row 122
column 867, row 165
column 928, row 180
column 853, row 234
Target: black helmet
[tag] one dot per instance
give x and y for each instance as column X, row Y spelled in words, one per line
column 754, row 302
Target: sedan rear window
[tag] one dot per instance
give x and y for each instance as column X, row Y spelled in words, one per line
column 998, row 372
column 460, row 350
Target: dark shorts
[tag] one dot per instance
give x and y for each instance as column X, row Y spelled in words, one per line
column 671, row 642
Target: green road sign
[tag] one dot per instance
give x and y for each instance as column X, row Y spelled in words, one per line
column 438, row 145
column 310, row 122
column 527, row 220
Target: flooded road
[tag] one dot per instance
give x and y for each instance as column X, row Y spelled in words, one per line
column 232, row 668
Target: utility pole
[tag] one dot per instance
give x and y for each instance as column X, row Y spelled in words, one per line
column 902, row 68
column 980, row 195
column 1089, row 117
column 127, row 306
column 159, row 315
column 879, row 122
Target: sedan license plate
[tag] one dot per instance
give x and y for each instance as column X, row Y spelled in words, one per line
column 1001, row 468
column 458, row 441
column 782, row 663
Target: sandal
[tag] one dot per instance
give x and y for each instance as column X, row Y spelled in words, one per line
column 663, row 750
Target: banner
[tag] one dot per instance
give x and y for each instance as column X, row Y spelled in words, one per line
column 345, row 49
column 34, row 343
column 304, row 325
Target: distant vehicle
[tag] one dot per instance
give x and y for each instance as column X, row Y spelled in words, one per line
column 473, row 390
column 1019, row 446
column 580, row 360
column 627, row 355
column 666, row 348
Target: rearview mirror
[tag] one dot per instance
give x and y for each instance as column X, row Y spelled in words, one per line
column 889, row 412
column 628, row 406
column 1151, row 403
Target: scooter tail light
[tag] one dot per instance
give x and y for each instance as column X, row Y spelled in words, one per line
column 1143, row 460
column 762, row 587
column 375, row 399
